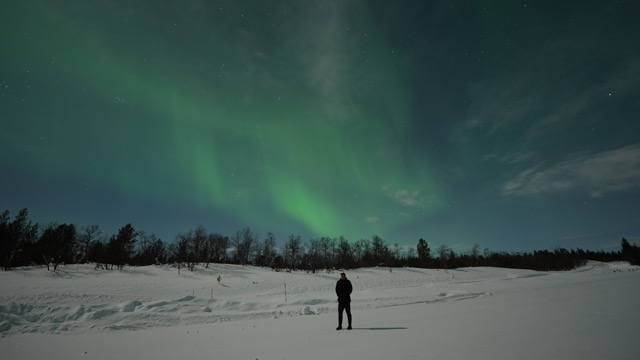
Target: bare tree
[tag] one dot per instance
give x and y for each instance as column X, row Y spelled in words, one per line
column 199, row 243
column 444, row 253
column 265, row 250
column 379, row 250
column 345, row 253
column 268, row 250
column 244, row 243
column 475, row 254
column 293, row 250
column 327, row 250
column 395, row 252
column 314, row 255
column 361, row 251
column 88, row 234
column 185, row 255
column 218, row 245
column 411, row 254
column 236, row 244
column 151, row 250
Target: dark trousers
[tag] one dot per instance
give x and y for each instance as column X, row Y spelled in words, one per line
column 344, row 306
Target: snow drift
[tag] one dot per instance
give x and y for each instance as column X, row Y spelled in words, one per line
column 408, row 313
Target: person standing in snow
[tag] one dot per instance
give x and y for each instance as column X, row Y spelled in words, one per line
column 343, row 290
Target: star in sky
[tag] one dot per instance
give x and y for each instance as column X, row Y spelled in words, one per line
column 510, row 125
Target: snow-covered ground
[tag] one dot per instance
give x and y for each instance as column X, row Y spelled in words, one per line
column 471, row 313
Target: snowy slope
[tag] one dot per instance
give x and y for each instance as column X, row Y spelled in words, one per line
column 487, row 313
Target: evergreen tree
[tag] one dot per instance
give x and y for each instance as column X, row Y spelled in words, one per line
column 17, row 239
column 630, row 253
column 56, row 245
column 121, row 247
column 424, row 252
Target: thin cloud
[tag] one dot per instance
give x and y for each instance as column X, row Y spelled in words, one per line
column 511, row 159
column 407, row 198
column 605, row 172
column 410, row 198
column 372, row 219
column 544, row 90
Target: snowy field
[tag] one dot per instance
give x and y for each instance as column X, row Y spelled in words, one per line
column 470, row 313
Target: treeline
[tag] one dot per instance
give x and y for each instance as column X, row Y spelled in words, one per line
column 23, row 243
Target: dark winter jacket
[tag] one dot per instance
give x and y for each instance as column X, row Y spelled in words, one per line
column 343, row 290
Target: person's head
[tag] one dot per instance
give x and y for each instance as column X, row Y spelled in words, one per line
column 343, row 276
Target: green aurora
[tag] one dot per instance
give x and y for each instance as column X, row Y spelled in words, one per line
column 323, row 118
column 245, row 131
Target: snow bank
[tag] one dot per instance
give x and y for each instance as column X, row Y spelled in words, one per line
column 489, row 313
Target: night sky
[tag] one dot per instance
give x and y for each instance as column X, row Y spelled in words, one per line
column 510, row 124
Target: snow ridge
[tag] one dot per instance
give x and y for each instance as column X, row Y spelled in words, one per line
column 79, row 299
